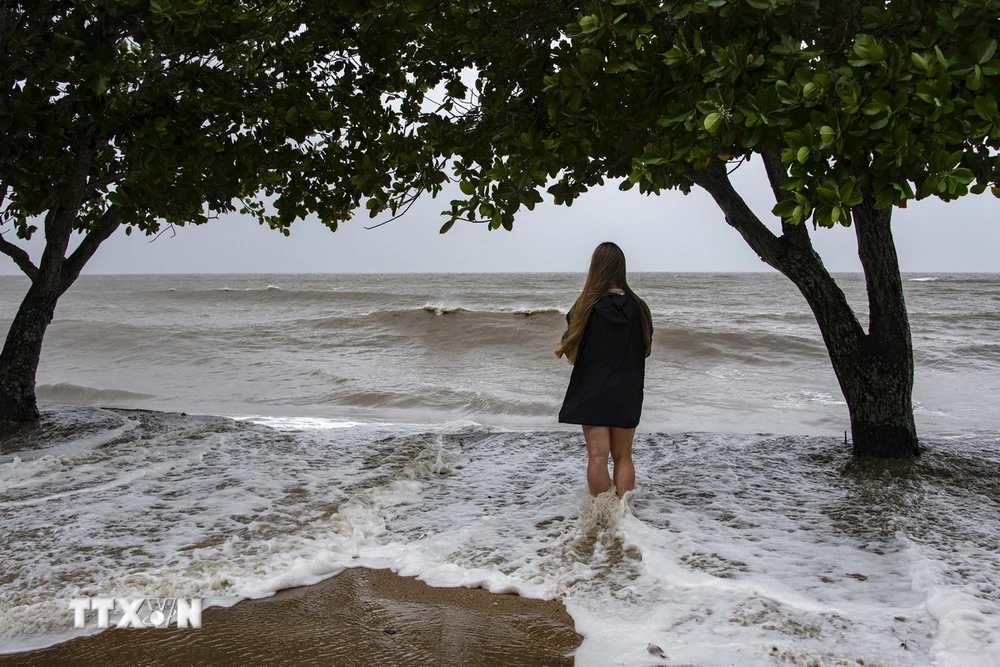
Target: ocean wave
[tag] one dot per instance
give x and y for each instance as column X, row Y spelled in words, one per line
column 690, row 345
column 444, row 310
column 989, row 280
column 74, row 394
column 526, row 311
column 434, row 315
column 959, row 318
column 450, row 401
column 539, row 311
column 269, row 294
column 978, row 353
column 352, row 302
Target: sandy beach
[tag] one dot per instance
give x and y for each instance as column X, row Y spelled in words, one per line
column 359, row 618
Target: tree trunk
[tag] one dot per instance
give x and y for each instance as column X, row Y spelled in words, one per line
column 880, row 392
column 49, row 281
column 21, row 352
column 874, row 369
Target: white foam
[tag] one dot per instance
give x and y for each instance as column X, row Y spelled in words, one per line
column 298, row 423
column 69, row 447
column 966, row 636
column 743, row 550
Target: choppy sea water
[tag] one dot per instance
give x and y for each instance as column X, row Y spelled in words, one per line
column 408, row 422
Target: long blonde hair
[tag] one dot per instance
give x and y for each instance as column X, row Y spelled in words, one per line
column 607, row 272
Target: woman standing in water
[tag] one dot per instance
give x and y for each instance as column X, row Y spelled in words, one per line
column 608, row 339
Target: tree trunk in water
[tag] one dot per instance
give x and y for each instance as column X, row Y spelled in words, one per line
column 875, row 372
column 21, row 352
column 879, row 392
column 874, row 369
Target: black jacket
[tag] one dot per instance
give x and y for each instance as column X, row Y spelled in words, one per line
column 605, row 388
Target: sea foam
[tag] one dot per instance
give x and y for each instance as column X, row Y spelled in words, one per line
column 735, row 549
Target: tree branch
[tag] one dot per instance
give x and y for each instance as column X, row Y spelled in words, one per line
column 841, row 331
column 96, row 186
column 714, row 180
column 19, row 256
column 408, row 205
column 103, row 228
column 59, row 220
column 797, row 234
column 887, row 319
column 776, row 172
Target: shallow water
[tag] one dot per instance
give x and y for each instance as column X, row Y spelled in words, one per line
column 735, row 550
column 408, row 422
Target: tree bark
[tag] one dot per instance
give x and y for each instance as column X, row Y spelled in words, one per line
column 21, row 352
column 881, row 389
column 874, row 369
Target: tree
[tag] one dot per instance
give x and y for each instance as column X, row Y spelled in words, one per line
column 852, row 106
column 137, row 114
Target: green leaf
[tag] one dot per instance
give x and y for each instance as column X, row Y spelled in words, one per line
column 975, row 80
column 983, row 51
column 963, row 175
column 986, row 107
column 467, row 187
column 785, row 208
column 827, row 194
column 446, row 226
column 823, row 216
column 803, row 154
column 712, row 120
column 992, row 68
column 885, row 198
column 940, row 56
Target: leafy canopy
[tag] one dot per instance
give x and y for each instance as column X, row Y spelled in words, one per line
column 194, row 107
column 894, row 100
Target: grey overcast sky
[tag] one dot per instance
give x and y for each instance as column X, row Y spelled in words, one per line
column 671, row 232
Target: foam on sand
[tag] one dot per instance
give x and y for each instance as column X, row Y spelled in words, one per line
column 735, row 549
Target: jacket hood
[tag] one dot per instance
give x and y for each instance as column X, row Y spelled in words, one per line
column 615, row 307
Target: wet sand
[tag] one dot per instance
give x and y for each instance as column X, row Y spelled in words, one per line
column 359, row 618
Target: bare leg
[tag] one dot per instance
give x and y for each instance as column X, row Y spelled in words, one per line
column 598, row 447
column 621, row 454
